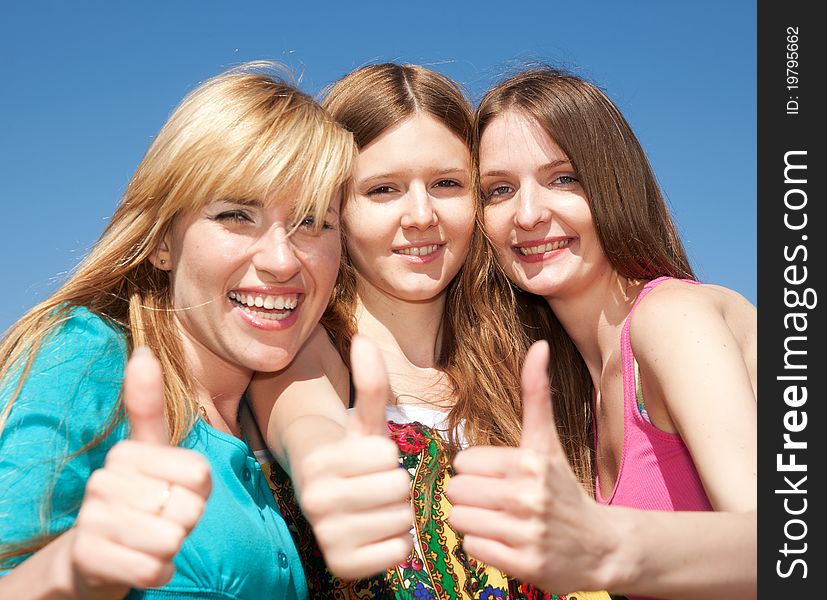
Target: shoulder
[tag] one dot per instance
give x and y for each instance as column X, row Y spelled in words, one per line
column 675, row 305
column 684, row 325
column 80, row 365
column 83, row 337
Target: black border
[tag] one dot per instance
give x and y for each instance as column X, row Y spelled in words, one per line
column 778, row 134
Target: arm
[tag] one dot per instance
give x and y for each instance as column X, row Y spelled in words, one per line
column 136, row 509
column 692, row 364
column 302, row 407
column 537, row 523
column 352, row 491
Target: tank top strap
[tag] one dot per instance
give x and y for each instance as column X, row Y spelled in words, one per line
column 632, row 392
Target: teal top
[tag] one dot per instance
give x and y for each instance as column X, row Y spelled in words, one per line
column 241, row 547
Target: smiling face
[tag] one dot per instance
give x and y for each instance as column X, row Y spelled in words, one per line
column 536, row 212
column 247, row 288
column 409, row 223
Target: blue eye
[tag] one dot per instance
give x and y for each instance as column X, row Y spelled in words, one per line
column 565, row 179
column 498, row 191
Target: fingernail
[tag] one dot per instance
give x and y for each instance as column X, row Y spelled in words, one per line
column 142, row 351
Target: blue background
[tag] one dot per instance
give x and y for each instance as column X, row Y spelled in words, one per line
column 86, row 85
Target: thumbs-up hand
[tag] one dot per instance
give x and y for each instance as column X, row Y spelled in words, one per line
column 141, row 505
column 354, row 493
column 522, row 509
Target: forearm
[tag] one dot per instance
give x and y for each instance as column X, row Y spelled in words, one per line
column 686, row 555
column 48, row 575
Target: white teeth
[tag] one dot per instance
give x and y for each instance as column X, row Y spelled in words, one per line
column 273, row 316
column 544, row 247
column 268, row 302
column 419, row 250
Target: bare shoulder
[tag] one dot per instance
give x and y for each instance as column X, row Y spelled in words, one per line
column 679, row 315
column 679, row 305
column 677, row 298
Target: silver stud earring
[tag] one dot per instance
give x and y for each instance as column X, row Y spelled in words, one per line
column 163, row 261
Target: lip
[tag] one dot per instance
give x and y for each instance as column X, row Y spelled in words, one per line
column 542, row 256
column 420, row 260
column 262, row 323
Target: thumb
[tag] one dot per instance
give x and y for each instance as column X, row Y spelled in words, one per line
column 370, row 378
column 539, row 431
column 143, row 398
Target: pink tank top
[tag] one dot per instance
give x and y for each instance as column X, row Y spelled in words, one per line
column 656, row 471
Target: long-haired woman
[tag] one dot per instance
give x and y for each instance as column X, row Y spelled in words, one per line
column 666, row 365
column 419, row 280
column 135, row 478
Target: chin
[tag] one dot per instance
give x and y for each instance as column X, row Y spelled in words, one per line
column 423, row 295
column 271, row 359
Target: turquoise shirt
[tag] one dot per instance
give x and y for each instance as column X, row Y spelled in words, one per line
column 241, row 547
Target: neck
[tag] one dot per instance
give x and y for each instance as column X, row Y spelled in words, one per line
column 411, row 329
column 593, row 317
column 408, row 335
column 219, row 386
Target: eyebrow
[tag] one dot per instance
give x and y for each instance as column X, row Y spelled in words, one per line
column 251, row 202
column 392, row 174
column 546, row 167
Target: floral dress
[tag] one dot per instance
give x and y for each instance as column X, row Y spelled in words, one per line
column 438, row 568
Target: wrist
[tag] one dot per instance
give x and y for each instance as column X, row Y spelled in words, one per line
column 61, row 573
column 622, row 563
column 67, row 582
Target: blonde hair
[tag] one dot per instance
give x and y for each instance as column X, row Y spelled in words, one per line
column 483, row 341
column 630, row 216
column 244, row 133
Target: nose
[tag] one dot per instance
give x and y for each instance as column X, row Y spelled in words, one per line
column 419, row 212
column 275, row 254
column 531, row 210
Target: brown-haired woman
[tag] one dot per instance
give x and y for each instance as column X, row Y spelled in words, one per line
column 666, row 364
column 220, row 259
column 420, row 281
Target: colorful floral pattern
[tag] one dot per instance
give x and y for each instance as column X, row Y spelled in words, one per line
column 438, row 568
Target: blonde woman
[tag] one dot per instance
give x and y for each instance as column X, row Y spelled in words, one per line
column 135, row 478
column 417, row 279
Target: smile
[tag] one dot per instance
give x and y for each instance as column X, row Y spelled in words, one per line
column 419, row 250
column 266, row 306
column 542, row 248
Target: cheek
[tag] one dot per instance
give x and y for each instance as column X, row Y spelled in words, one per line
column 496, row 226
column 458, row 220
column 322, row 259
column 361, row 227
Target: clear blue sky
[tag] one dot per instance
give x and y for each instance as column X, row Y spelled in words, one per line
column 86, row 85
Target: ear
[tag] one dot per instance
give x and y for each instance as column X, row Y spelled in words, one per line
column 161, row 258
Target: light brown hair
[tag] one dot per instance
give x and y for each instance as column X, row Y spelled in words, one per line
column 244, row 133
column 483, row 343
column 630, row 216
